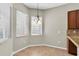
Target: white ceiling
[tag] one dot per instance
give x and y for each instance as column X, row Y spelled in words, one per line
column 43, row 5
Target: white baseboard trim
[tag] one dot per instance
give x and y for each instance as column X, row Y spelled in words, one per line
column 24, row 48
column 37, row 45
column 55, row 47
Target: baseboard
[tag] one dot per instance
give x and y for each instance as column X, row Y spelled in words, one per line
column 37, row 45
column 56, row 47
column 24, row 48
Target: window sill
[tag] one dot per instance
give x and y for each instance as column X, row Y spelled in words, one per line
column 37, row 35
column 21, row 36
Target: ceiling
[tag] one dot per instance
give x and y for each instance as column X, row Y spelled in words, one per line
column 43, row 5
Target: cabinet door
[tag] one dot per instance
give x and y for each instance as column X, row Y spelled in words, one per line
column 72, row 49
column 72, row 20
column 77, row 19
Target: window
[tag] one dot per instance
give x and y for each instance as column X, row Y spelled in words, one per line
column 36, row 27
column 21, row 24
column 4, row 28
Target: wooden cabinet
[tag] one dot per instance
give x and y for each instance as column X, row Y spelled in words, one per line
column 73, row 19
column 72, row 49
column 77, row 20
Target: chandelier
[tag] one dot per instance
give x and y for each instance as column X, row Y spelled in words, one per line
column 37, row 16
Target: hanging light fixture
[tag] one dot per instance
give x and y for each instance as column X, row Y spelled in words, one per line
column 37, row 13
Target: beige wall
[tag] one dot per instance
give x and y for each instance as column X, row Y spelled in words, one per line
column 56, row 25
column 6, row 46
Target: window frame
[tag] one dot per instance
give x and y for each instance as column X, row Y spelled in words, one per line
column 42, row 26
column 16, row 23
column 9, row 29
